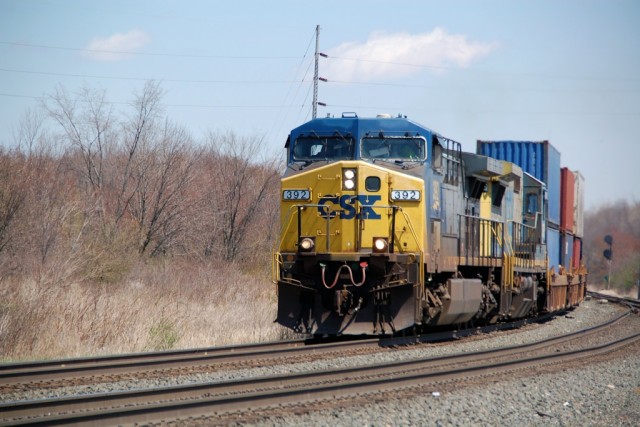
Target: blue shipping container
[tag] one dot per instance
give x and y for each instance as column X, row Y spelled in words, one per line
column 553, row 248
column 538, row 158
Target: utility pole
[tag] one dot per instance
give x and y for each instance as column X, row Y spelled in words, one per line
column 317, row 78
column 314, row 113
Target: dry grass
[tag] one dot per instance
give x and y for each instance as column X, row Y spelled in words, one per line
column 155, row 308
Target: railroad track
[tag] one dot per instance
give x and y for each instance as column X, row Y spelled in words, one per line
column 631, row 303
column 49, row 372
column 83, row 371
column 218, row 399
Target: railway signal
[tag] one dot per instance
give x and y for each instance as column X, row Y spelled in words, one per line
column 608, row 254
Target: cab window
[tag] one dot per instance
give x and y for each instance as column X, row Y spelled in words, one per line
column 315, row 148
column 393, row 148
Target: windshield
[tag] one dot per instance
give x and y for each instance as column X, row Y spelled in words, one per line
column 394, row 148
column 313, row 147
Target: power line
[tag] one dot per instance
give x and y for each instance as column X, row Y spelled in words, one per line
column 11, row 95
column 475, row 70
column 282, row 115
column 485, row 88
column 41, row 98
column 90, row 76
column 125, row 52
column 505, row 112
column 376, row 61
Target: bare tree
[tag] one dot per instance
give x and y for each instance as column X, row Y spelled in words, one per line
column 29, row 134
column 12, row 192
column 15, row 172
column 162, row 175
column 136, row 132
column 88, row 128
column 242, row 179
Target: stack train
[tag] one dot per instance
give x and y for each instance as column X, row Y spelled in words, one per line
column 388, row 227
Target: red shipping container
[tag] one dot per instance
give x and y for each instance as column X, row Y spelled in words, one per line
column 577, row 252
column 567, row 199
column 578, row 206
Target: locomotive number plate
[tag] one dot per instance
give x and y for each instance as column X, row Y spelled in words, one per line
column 296, row 194
column 405, row 195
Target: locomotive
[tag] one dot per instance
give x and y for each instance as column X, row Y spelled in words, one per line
column 388, row 227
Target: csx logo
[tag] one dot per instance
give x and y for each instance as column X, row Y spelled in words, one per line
column 347, row 205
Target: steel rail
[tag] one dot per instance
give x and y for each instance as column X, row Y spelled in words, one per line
column 114, row 360
column 231, row 395
column 65, row 369
column 630, row 303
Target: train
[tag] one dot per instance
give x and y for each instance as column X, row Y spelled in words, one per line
column 388, row 227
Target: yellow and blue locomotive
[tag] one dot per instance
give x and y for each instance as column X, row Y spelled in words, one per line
column 387, row 226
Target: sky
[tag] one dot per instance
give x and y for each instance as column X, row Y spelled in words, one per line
column 563, row 71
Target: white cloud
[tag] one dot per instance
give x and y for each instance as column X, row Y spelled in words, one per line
column 118, row 46
column 381, row 56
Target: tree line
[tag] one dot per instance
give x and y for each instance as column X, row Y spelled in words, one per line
column 87, row 191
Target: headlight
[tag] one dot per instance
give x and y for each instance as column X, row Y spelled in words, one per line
column 348, row 179
column 380, row 245
column 306, row 244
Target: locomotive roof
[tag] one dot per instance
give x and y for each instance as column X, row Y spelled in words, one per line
column 359, row 126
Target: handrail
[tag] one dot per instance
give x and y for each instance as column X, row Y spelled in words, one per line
column 415, row 237
column 289, row 218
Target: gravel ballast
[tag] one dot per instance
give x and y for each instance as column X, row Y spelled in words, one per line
column 601, row 394
column 606, row 394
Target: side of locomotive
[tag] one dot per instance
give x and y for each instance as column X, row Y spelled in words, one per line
column 386, row 225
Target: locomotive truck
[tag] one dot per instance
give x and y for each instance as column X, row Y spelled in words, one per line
column 388, row 227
